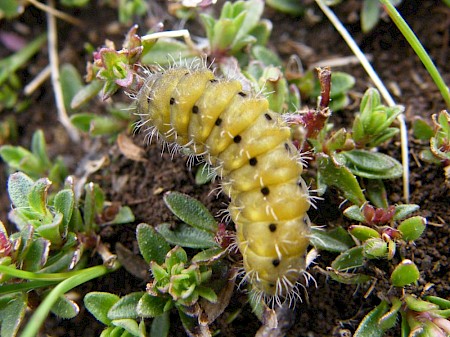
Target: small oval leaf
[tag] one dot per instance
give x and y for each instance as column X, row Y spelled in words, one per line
column 152, row 245
column 336, row 240
column 125, row 307
column 405, row 273
column 402, row 211
column 350, row 259
column 65, row 308
column 151, row 306
column 363, row 233
column 412, row 228
column 190, row 211
column 369, row 326
column 99, row 303
column 19, row 187
column 372, row 165
column 187, row 236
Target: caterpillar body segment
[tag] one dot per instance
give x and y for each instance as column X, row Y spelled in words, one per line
column 251, row 150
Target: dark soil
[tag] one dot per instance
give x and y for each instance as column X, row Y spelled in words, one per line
column 331, row 309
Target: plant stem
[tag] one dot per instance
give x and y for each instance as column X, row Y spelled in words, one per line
column 26, row 286
column 42, row 311
column 380, row 86
column 42, row 276
column 418, row 49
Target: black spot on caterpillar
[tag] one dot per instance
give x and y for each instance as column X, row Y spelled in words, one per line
column 250, row 148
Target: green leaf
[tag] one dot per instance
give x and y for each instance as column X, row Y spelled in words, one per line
column 71, row 83
column 383, row 136
column 83, row 121
column 339, row 176
column 186, row 236
column 160, row 325
column 38, row 196
column 347, row 278
column 65, row 308
column 126, row 307
column 354, row 213
column 158, row 54
column 412, row 228
column 363, row 233
column 207, row 293
column 341, row 83
column 292, row 7
column 339, row 102
column 267, row 57
column 14, row 155
column 442, row 303
column 369, row 326
column 371, row 165
column 370, row 102
column 176, row 256
column 10, row 8
column 402, row 211
column 419, row 305
column 39, row 149
column 350, row 259
column 208, row 255
column 19, row 187
column 51, row 231
column 152, row 245
column 12, row 314
column 336, row 240
column 85, row 94
column 190, row 211
column 64, row 202
column 208, row 23
column 375, row 248
column 125, row 215
column 377, row 193
column 405, row 273
column 204, row 174
column 107, row 125
column 99, row 303
column 253, row 12
column 127, row 324
column 370, row 15
column 37, row 254
column 151, row 306
column 422, row 130
column 389, row 319
column 9, row 65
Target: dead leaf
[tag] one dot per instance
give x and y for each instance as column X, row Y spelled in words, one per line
column 129, row 149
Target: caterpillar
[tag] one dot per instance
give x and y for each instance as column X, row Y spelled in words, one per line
column 249, row 147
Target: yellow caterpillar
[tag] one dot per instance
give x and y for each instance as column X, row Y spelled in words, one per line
column 249, row 146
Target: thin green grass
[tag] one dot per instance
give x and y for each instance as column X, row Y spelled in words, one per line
column 418, row 49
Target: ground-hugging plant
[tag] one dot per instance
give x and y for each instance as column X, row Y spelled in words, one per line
column 349, row 161
column 438, row 136
column 178, row 281
column 57, row 231
column 346, row 159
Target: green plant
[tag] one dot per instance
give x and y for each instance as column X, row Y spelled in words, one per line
column 47, row 254
column 419, row 317
column 35, row 163
column 342, row 154
column 370, row 12
column 9, row 81
column 439, row 137
column 178, row 281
